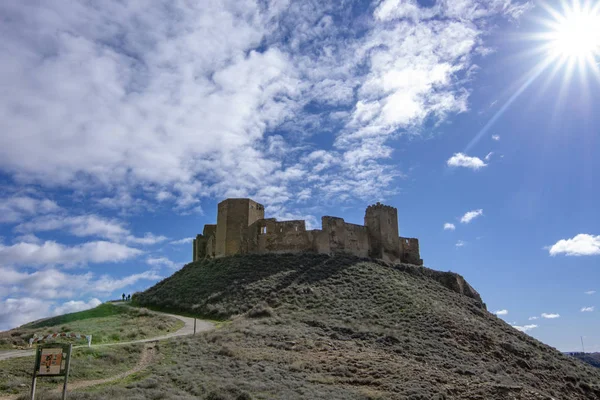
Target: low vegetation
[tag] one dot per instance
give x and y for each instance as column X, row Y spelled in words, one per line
column 315, row 327
column 107, row 323
column 86, row 364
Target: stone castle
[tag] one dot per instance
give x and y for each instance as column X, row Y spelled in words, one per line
column 243, row 229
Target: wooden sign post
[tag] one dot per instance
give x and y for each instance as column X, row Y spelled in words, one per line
column 52, row 360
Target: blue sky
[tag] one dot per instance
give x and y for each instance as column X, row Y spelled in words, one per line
column 123, row 124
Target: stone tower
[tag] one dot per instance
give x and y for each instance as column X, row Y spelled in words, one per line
column 382, row 225
column 233, row 218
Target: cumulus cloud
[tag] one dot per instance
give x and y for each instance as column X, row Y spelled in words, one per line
column 16, row 312
column 161, row 261
column 524, row 328
column 496, row 137
column 501, row 312
column 53, row 253
column 462, row 160
column 587, row 309
column 204, row 105
column 550, row 316
column 88, row 225
column 470, row 215
column 590, row 292
column 580, row 245
column 460, row 243
column 533, row 318
column 14, row 209
column 50, row 283
column 182, row 241
column 75, row 306
column 449, row 227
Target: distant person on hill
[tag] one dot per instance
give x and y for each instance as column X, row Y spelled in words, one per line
column 123, row 296
column 129, row 297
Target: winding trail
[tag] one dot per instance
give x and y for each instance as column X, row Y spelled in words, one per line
column 148, row 353
column 187, row 329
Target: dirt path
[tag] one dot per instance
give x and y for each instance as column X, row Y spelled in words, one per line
column 148, row 354
column 187, row 329
column 146, row 358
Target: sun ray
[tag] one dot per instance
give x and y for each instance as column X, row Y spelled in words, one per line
column 569, row 42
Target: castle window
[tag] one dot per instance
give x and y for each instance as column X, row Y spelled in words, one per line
column 263, row 230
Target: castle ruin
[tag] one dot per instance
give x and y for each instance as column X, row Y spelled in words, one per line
column 243, row 229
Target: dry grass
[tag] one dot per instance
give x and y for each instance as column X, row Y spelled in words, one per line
column 107, row 323
column 313, row 327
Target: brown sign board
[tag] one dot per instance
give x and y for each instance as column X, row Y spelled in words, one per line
column 52, row 360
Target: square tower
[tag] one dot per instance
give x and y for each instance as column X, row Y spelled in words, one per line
column 382, row 226
column 233, row 218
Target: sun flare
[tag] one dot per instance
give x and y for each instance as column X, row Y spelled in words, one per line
column 576, row 34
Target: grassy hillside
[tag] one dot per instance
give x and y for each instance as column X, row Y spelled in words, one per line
column 107, row 323
column 310, row 326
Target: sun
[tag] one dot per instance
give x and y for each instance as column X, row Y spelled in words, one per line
column 576, row 33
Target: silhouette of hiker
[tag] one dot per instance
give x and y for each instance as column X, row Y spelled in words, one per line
column 123, row 296
column 128, row 297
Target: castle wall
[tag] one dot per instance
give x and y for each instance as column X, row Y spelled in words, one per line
column 233, row 218
column 382, row 224
column 209, row 230
column 199, row 246
column 272, row 236
column 409, row 248
column 357, row 240
column 242, row 229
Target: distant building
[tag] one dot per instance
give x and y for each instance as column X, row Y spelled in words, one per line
column 243, row 229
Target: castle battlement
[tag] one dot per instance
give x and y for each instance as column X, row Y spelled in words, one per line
column 243, row 229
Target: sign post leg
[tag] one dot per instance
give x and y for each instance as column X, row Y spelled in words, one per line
column 194, row 326
column 33, row 387
column 64, row 393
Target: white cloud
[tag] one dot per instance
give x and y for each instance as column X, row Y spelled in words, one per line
column 449, row 227
column 550, row 316
column 14, row 209
column 182, row 241
column 501, row 312
column 16, row 312
column 191, row 109
column 587, row 309
column 580, row 245
column 75, row 306
column 470, row 215
column 460, row 243
column 52, row 253
column 462, row 160
column 590, row 292
column 51, row 283
column 533, row 318
column 88, row 225
column 161, row 261
column 525, row 328
column 496, row 137
column 147, row 239
column 489, row 156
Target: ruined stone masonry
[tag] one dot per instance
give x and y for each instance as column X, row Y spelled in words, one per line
column 243, row 229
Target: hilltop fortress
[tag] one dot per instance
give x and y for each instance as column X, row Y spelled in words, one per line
column 243, row 229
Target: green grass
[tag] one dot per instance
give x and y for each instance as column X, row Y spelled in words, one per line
column 86, row 364
column 106, row 323
column 103, row 310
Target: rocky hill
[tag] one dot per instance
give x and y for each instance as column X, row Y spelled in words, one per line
column 312, row 326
